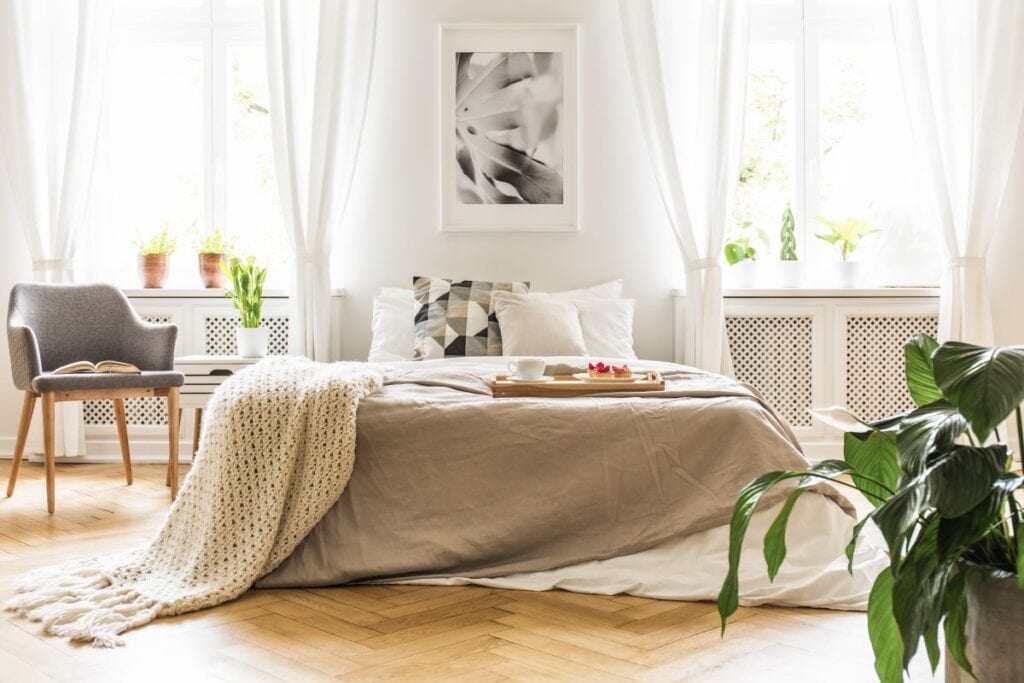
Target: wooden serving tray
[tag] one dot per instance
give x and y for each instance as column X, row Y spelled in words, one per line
column 567, row 386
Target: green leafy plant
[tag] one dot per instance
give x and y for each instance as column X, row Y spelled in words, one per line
column 846, row 235
column 787, row 236
column 215, row 242
column 163, row 243
column 940, row 480
column 740, row 245
column 246, row 291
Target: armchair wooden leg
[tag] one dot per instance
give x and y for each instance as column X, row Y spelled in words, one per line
column 48, row 447
column 19, row 447
column 173, row 424
column 196, row 430
column 122, row 436
column 167, row 477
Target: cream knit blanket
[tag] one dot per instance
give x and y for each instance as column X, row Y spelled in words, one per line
column 278, row 446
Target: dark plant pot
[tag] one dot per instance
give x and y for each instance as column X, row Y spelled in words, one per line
column 209, row 270
column 995, row 631
column 153, row 270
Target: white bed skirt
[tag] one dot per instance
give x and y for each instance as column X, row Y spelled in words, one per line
column 693, row 567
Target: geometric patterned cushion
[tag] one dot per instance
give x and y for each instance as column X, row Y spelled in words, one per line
column 456, row 317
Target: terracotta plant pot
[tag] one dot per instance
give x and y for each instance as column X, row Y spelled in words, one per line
column 995, row 631
column 209, row 270
column 153, row 270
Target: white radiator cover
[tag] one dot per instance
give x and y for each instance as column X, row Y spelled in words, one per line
column 812, row 349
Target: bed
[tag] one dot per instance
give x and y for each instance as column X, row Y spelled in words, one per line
column 613, row 494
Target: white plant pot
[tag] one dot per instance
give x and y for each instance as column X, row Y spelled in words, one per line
column 742, row 275
column 849, row 274
column 252, row 341
column 789, row 274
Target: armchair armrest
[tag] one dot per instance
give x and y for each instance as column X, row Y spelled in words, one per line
column 151, row 346
column 26, row 362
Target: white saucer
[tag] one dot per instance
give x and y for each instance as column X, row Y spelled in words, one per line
column 523, row 380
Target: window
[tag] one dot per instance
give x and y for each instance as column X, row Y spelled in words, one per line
column 186, row 138
column 826, row 133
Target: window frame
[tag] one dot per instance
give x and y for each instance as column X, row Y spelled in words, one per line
column 215, row 26
column 805, row 25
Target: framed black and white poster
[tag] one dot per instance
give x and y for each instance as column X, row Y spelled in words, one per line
column 509, row 128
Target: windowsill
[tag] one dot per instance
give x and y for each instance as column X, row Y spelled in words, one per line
column 826, row 293
column 214, row 293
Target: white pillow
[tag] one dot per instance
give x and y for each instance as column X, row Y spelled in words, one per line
column 537, row 327
column 607, row 326
column 393, row 329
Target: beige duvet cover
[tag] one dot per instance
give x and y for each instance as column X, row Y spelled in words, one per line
column 449, row 481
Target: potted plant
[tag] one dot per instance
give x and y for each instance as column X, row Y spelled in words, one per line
column 941, row 481
column 789, row 267
column 741, row 255
column 213, row 248
column 154, row 256
column 246, row 293
column 845, row 236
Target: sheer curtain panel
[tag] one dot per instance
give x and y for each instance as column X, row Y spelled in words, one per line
column 962, row 67
column 53, row 56
column 688, row 60
column 319, row 60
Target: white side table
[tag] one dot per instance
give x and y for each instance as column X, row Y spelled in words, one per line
column 203, row 374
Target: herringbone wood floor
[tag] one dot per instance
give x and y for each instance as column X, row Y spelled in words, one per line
column 390, row 633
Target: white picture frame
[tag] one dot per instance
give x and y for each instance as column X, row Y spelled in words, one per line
column 467, row 193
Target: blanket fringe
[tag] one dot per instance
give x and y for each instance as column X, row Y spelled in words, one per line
column 83, row 605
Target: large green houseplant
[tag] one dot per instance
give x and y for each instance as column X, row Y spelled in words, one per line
column 941, row 481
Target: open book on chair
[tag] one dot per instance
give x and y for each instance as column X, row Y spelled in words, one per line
column 103, row 366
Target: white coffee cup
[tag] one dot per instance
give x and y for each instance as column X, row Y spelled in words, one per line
column 527, row 368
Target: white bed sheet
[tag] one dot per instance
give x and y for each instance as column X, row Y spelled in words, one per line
column 693, row 567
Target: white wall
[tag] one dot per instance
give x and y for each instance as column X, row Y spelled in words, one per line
column 391, row 230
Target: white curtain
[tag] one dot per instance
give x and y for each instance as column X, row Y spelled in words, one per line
column 319, row 60
column 53, row 56
column 688, row 60
column 962, row 67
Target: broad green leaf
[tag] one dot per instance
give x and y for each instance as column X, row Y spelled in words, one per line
column 728, row 597
column 917, row 356
column 775, row 537
column 896, row 516
column 1020, row 556
column 986, row 384
column 955, row 625
column 957, row 534
column 873, row 457
column 746, row 503
column 963, row 478
column 931, row 644
column 918, row 589
column 936, row 425
column 883, row 631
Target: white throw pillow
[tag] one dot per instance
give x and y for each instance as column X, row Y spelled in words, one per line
column 607, row 326
column 393, row 329
column 531, row 326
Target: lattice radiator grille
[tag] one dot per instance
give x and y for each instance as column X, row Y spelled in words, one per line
column 137, row 411
column 875, row 385
column 775, row 354
column 220, row 335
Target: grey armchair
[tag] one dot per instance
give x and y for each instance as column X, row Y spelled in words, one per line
column 51, row 325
